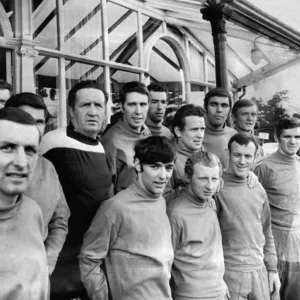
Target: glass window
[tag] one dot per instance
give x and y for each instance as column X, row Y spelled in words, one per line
column 196, row 62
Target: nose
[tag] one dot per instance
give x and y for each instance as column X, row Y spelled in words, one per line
column 210, row 184
column 20, row 159
column 92, row 110
column 138, row 109
column 292, row 140
column 162, row 173
column 242, row 159
column 159, row 106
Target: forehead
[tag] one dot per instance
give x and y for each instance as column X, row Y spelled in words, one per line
column 204, row 171
column 33, row 111
column 218, row 99
column 243, row 149
column 291, row 131
column 193, row 121
column 4, row 94
column 158, row 95
column 247, row 109
column 18, row 134
column 136, row 98
column 89, row 94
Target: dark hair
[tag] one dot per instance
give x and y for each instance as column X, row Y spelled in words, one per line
column 16, row 115
column 154, row 149
column 133, row 86
column 29, row 99
column 158, row 87
column 4, row 85
column 243, row 139
column 184, row 111
column 219, row 92
column 286, row 123
column 205, row 158
column 242, row 103
column 86, row 84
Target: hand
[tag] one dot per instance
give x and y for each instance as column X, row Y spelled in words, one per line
column 252, row 180
column 274, row 283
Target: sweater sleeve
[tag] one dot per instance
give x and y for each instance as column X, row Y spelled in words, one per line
column 96, row 244
column 270, row 257
column 261, row 172
column 57, row 230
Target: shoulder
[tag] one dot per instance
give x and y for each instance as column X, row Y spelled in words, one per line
column 167, row 133
column 230, row 131
column 31, row 207
column 175, row 206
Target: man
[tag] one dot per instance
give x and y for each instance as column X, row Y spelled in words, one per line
column 79, row 160
column 5, row 92
column 245, row 221
column 217, row 104
column 119, row 140
column 131, row 233
column 23, row 263
column 44, row 186
column 198, row 266
column 279, row 174
column 157, row 110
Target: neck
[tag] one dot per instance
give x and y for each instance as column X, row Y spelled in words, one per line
column 6, row 200
column 150, row 123
column 240, row 130
column 90, row 135
column 135, row 129
column 213, row 126
column 183, row 149
column 286, row 155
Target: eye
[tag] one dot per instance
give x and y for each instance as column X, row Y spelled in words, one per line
column 30, row 150
column 170, row 169
column 7, row 148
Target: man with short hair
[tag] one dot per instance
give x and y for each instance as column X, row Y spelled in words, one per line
column 119, row 140
column 245, row 221
column 80, row 162
column 217, row 104
column 5, row 92
column 131, row 233
column 44, row 186
column 198, row 267
column 279, row 174
column 23, row 262
column 157, row 109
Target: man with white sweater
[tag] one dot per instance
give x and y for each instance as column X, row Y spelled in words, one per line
column 130, row 236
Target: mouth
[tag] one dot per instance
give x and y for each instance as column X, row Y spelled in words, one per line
column 17, row 175
column 92, row 121
column 160, row 183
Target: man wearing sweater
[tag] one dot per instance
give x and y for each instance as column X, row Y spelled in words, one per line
column 157, row 109
column 118, row 141
column 130, row 236
column 80, row 162
column 44, row 186
column 217, row 104
column 245, row 220
column 198, row 267
column 279, row 174
column 23, row 261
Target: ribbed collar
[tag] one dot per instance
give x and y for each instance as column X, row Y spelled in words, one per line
column 128, row 130
column 72, row 133
column 11, row 210
column 142, row 192
column 154, row 127
column 188, row 194
column 232, row 178
column 284, row 158
column 184, row 151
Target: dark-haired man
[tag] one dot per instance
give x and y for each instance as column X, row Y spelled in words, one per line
column 80, row 162
column 279, row 174
column 5, row 92
column 119, row 139
column 217, row 104
column 245, row 221
column 198, row 268
column 131, row 233
column 45, row 187
column 157, row 109
column 23, row 262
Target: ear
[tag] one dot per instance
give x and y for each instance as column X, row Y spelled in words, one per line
column 177, row 131
column 71, row 112
column 137, row 165
column 233, row 118
column 122, row 108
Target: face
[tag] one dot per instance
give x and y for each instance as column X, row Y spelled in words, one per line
column 18, row 156
column 245, row 118
column 157, row 106
column 204, row 181
column 289, row 141
column 191, row 137
column 217, row 111
column 89, row 111
column 154, row 177
column 135, row 110
column 4, row 96
column 241, row 159
column 38, row 115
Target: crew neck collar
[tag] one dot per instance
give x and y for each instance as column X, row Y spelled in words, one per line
column 73, row 133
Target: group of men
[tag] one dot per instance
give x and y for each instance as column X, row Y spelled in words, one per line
column 117, row 217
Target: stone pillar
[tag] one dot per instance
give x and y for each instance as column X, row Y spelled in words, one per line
column 217, row 13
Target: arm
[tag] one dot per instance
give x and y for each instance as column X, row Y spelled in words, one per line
column 252, row 180
column 57, row 230
column 96, row 244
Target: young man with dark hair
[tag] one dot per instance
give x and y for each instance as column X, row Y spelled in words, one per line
column 80, row 162
column 279, row 174
column 131, row 233
column 45, row 187
column 198, row 267
column 23, row 262
column 217, row 104
column 5, row 92
column 118, row 140
column 245, row 220
column 157, row 110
